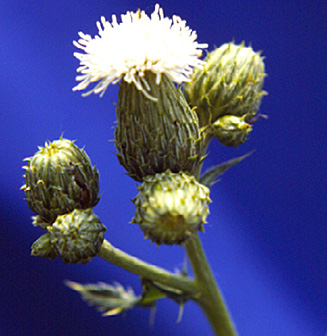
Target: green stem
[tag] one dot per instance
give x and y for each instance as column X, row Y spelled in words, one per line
column 203, row 289
column 147, row 271
column 210, row 299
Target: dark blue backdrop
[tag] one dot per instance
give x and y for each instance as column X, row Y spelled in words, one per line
column 266, row 237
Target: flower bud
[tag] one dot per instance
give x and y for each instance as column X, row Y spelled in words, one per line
column 44, row 248
column 156, row 133
column 171, row 207
column 229, row 84
column 231, row 130
column 77, row 236
column 60, row 178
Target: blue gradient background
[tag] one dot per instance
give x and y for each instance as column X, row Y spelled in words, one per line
column 266, row 237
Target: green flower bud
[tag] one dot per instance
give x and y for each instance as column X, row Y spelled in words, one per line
column 229, row 84
column 77, row 236
column 60, row 178
column 171, row 207
column 156, row 133
column 44, row 248
column 231, row 130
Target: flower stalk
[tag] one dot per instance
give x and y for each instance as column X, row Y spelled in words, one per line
column 210, row 299
column 203, row 288
column 144, row 270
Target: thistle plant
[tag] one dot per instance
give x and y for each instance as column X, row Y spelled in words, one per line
column 171, row 104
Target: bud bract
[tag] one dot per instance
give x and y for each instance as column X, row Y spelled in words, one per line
column 37, row 221
column 60, row 178
column 44, row 248
column 231, row 130
column 158, row 132
column 229, row 84
column 77, row 236
column 171, row 207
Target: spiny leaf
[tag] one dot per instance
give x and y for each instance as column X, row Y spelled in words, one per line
column 209, row 178
column 153, row 291
column 150, row 294
column 111, row 300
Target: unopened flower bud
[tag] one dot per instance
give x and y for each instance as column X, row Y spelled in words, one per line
column 171, row 207
column 60, row 178
column 229, row 84
column 156, row 133
column 231, row 130
column 44, row 248
column 77, row 236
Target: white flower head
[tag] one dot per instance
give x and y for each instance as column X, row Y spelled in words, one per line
column 138, row 44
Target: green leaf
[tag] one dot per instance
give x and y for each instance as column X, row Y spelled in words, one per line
column 153, row 291
column 209, row 178
column 151, row 294
column 111, row 300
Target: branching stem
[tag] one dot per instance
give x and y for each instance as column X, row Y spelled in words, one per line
column 147, row 271
column 203, row 289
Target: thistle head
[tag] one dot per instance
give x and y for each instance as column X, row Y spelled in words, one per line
column 171, row 207
column 59, row 178
column 77, row 236
column 138, row 44
column 153, row 136
column 230, row 83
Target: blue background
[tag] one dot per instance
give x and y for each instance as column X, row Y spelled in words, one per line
column 266, row 237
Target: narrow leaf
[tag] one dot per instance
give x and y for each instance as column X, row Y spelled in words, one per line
column 111, row 300
column 209, row 178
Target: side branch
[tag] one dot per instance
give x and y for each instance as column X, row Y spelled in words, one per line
column 147, row 271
